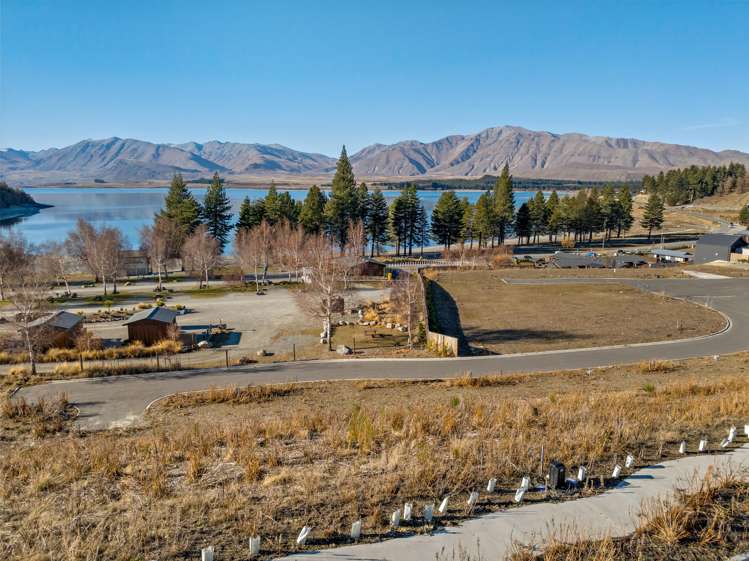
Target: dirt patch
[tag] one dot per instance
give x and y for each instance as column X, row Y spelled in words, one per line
column 498, row 317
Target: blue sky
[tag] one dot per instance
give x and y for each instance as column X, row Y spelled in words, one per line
column 314, row 75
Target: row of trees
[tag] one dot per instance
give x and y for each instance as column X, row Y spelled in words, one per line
column 684, row 186
column 493, row 216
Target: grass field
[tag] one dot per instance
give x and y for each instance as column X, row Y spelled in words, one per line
column 505, row 318
column 222, row 465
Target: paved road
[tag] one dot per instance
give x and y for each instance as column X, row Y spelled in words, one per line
column 614, row 513
column 118, row 401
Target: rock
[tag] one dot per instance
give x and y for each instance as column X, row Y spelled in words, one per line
column 341, row 322
column 262, row 352
column 389, row 325
column 323, row 340
column 343, row 350
column 402, row 329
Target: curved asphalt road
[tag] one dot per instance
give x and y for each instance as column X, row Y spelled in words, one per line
column 121, row 400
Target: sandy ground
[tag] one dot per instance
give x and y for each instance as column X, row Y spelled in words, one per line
column 273, row 322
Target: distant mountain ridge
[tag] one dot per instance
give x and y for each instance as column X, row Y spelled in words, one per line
column 530, row 154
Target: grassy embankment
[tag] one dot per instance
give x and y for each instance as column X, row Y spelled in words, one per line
column 218, row 466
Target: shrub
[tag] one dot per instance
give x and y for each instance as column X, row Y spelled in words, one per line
column 654, row 366
column 67, row 369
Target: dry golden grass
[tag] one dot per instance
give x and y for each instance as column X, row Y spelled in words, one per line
column 133, row 350
column 218, row 466
column 506, row 318
column 708, row 523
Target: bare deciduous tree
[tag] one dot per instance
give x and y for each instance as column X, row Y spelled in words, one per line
column 288, row 247
column 247, row 254
column 201, row 253
column 100, row 251
column 160, row 242
column 81, row 244
column 408, row 298
column 325, row 285
column 112, row 247
column 13, row 254
column 27, row 292
column 354, row 251
column 58, row 263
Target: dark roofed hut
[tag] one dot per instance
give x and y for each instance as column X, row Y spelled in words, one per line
column 151, row 326
column 58, row 329
column 717, row 247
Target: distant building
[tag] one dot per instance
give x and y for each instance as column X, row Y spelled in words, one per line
column 151, row 326
column 671, row 256
column 371, row 268
column 720, row 247
column 627, row 261
column 134, row 263
column 59, row 329
column 563, row 260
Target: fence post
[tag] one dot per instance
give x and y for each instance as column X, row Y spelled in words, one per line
column 158, row 363
column 80, row 360
column 293, row 350
column 226, row 351
column 354, row 345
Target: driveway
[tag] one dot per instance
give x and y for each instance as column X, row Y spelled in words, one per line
column 121, row 400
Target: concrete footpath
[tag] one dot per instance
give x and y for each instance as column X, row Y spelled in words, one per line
column 614, row 513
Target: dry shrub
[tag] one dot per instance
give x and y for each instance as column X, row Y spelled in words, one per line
column 657, row 366
column 67, row 369
column 230, row 394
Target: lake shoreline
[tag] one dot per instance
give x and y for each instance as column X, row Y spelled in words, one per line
column 21, row 211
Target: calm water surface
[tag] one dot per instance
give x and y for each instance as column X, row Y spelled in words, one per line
column 130, row 208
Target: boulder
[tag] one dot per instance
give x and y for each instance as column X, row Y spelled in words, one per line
column 343, row 350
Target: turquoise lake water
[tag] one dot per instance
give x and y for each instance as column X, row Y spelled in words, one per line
column 131, row 208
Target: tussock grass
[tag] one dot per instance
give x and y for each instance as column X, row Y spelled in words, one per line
column 707, row 522
column 133, row 350
column 216, row 467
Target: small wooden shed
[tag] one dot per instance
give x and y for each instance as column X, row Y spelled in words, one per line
column 59, row 329
column 371, row 268
column 151, row 326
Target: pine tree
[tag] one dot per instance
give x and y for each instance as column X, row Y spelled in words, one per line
column 287, row 208
column 447, row 219
column 553, row 216
column 251, row 214
column 341, row 206
column 422, row 228
column 523, row 227
column 592, row 217
column 483, row 219
column 311, row 216
column 469, row 212
column 537, row 208
column 652, row 217
column 610, row 210
column 377, row 221
column 504, row 203
column 181, row 207
column 272, row 205
column 362, row 203
column 626, row 218
column 397, row 223
column 744, row 216
column 217, row 211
